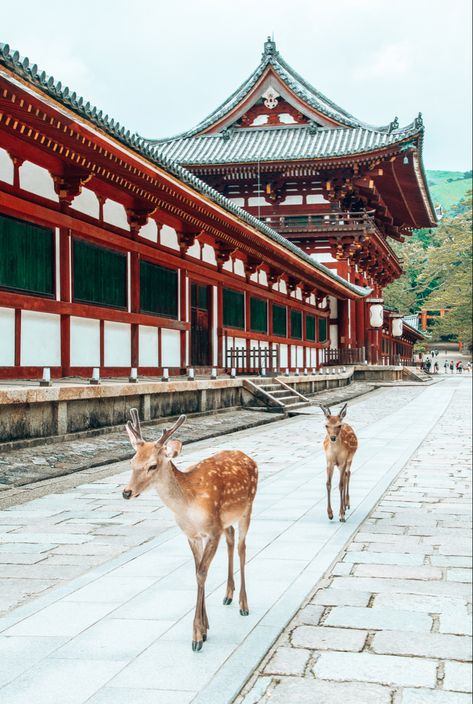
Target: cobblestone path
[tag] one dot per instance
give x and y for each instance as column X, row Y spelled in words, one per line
column 391, row 622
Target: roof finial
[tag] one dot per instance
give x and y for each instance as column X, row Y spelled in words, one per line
column 269, row 47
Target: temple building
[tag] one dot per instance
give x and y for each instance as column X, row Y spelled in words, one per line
column 258, row 240
column 340, row 189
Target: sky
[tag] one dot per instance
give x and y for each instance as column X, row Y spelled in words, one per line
column 160, row 66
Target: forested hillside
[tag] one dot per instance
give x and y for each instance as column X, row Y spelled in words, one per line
column 438, row 262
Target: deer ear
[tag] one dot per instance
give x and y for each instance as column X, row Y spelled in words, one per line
column 134, row 439
column 343, row 412
column 173, row 448
column 326, row 411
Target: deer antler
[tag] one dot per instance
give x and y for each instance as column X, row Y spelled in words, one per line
column 134, row 425
column 167, row 433
column 327, row 411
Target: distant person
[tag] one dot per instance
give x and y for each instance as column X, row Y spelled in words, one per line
column 468, row 367
column 428, row 364
column 452, row 366
column 436, row 367
column 460, row 367
column 445, row 366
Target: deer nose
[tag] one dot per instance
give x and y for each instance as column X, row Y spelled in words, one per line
column 333, row 438
column 126, row 493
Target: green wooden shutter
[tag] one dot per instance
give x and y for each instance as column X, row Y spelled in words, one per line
column 310, row 328
column 26, row 257
column 158, row 290
column 233, row 309
column 279, row 320
column 259, row 315
column 99, row 275
column 322, row 329
column 296, row 324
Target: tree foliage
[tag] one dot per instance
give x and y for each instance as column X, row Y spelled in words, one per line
column 438, row 274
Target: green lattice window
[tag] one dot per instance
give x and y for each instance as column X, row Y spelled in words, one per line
column 259, row 315
column 99, row 275
column 26, row 257
column 279, row 320
column 296, row 324
column 322, row 329
column 158, row 290
column 233, row 309
column 310, row 328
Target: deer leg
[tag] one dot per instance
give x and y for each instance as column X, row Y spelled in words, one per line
column 341, row 486
column 199, row 628
column 196, row 547
column 329, row 489
column 242, row 531
column 347, row 484
column 230, row 536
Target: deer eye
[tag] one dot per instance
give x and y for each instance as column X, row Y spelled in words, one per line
column 152, row 467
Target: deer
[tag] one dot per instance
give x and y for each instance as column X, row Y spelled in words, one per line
column 208, row 498
column 340, row 445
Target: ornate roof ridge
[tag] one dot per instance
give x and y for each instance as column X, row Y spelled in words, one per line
column 30, row 73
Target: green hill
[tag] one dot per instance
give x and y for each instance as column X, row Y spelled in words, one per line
column 447, row 188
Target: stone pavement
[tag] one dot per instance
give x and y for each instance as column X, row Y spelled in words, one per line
column 121, row 631
column 39, row 461
column 391, row 621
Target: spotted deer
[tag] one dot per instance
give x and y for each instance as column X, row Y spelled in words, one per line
column 207, row 499
column 340, row 445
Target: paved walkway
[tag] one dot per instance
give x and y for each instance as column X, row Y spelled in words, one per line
column 391, row 623
column 120, row 632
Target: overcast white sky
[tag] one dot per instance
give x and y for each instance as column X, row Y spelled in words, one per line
column 160, row 66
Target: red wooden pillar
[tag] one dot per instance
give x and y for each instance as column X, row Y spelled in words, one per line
column 360, row 323
column 183, row 314
column 247, row 328
column 135, row 305
column 65, row 296
column 219, row 318
column 343, row 333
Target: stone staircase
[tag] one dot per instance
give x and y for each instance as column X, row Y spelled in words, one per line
column 415, row 374
column 275, row 396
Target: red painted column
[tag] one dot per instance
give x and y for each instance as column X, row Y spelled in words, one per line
column 360, row 323
column 343, row 333
column 247, row 328
column 135, row 305
column 184, row 306
column 65, row 295
column 220, row 361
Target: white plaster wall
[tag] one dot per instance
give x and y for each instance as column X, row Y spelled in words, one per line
column 298, row 294
column 37, row 180
column 312, row 356
column 228, row 266
column 333, row 304
column 150, row 231
column 168, row 237
column 117, row 344
column 85, row 342
column 293, row 200
column 240, row 342
column 194, row 251
column 254, row 277
column 283, row 356
column 170, row 348
column 238, row 201
column 148, row 346
column 40, row 339
column 7, row 337
column 282, row 287
column 57, row 255
column 300, row 356
column 238, row 267
column 323, row 257
column 316, row 198
column 87, row 202
column 6, row 167
column 263, row 278
column 333, row 337
column 258, row 200
column 208, row 254
column 115, row 214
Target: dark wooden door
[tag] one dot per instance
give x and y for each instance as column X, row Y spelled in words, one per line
column 200, row 325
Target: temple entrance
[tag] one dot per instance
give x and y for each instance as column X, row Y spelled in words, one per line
column 200, row 326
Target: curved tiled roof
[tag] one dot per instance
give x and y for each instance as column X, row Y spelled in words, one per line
column 280, row 143
column 21, row 67
column 298, row 85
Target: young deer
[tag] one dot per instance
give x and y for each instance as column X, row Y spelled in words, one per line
column 207, row 500
column 340, row 444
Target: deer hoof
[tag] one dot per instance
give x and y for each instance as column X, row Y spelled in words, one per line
column 244, row 612
column 227, row 601
column 342, row 519
column 197, row 645
column 204, row 637
column 330, row 517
